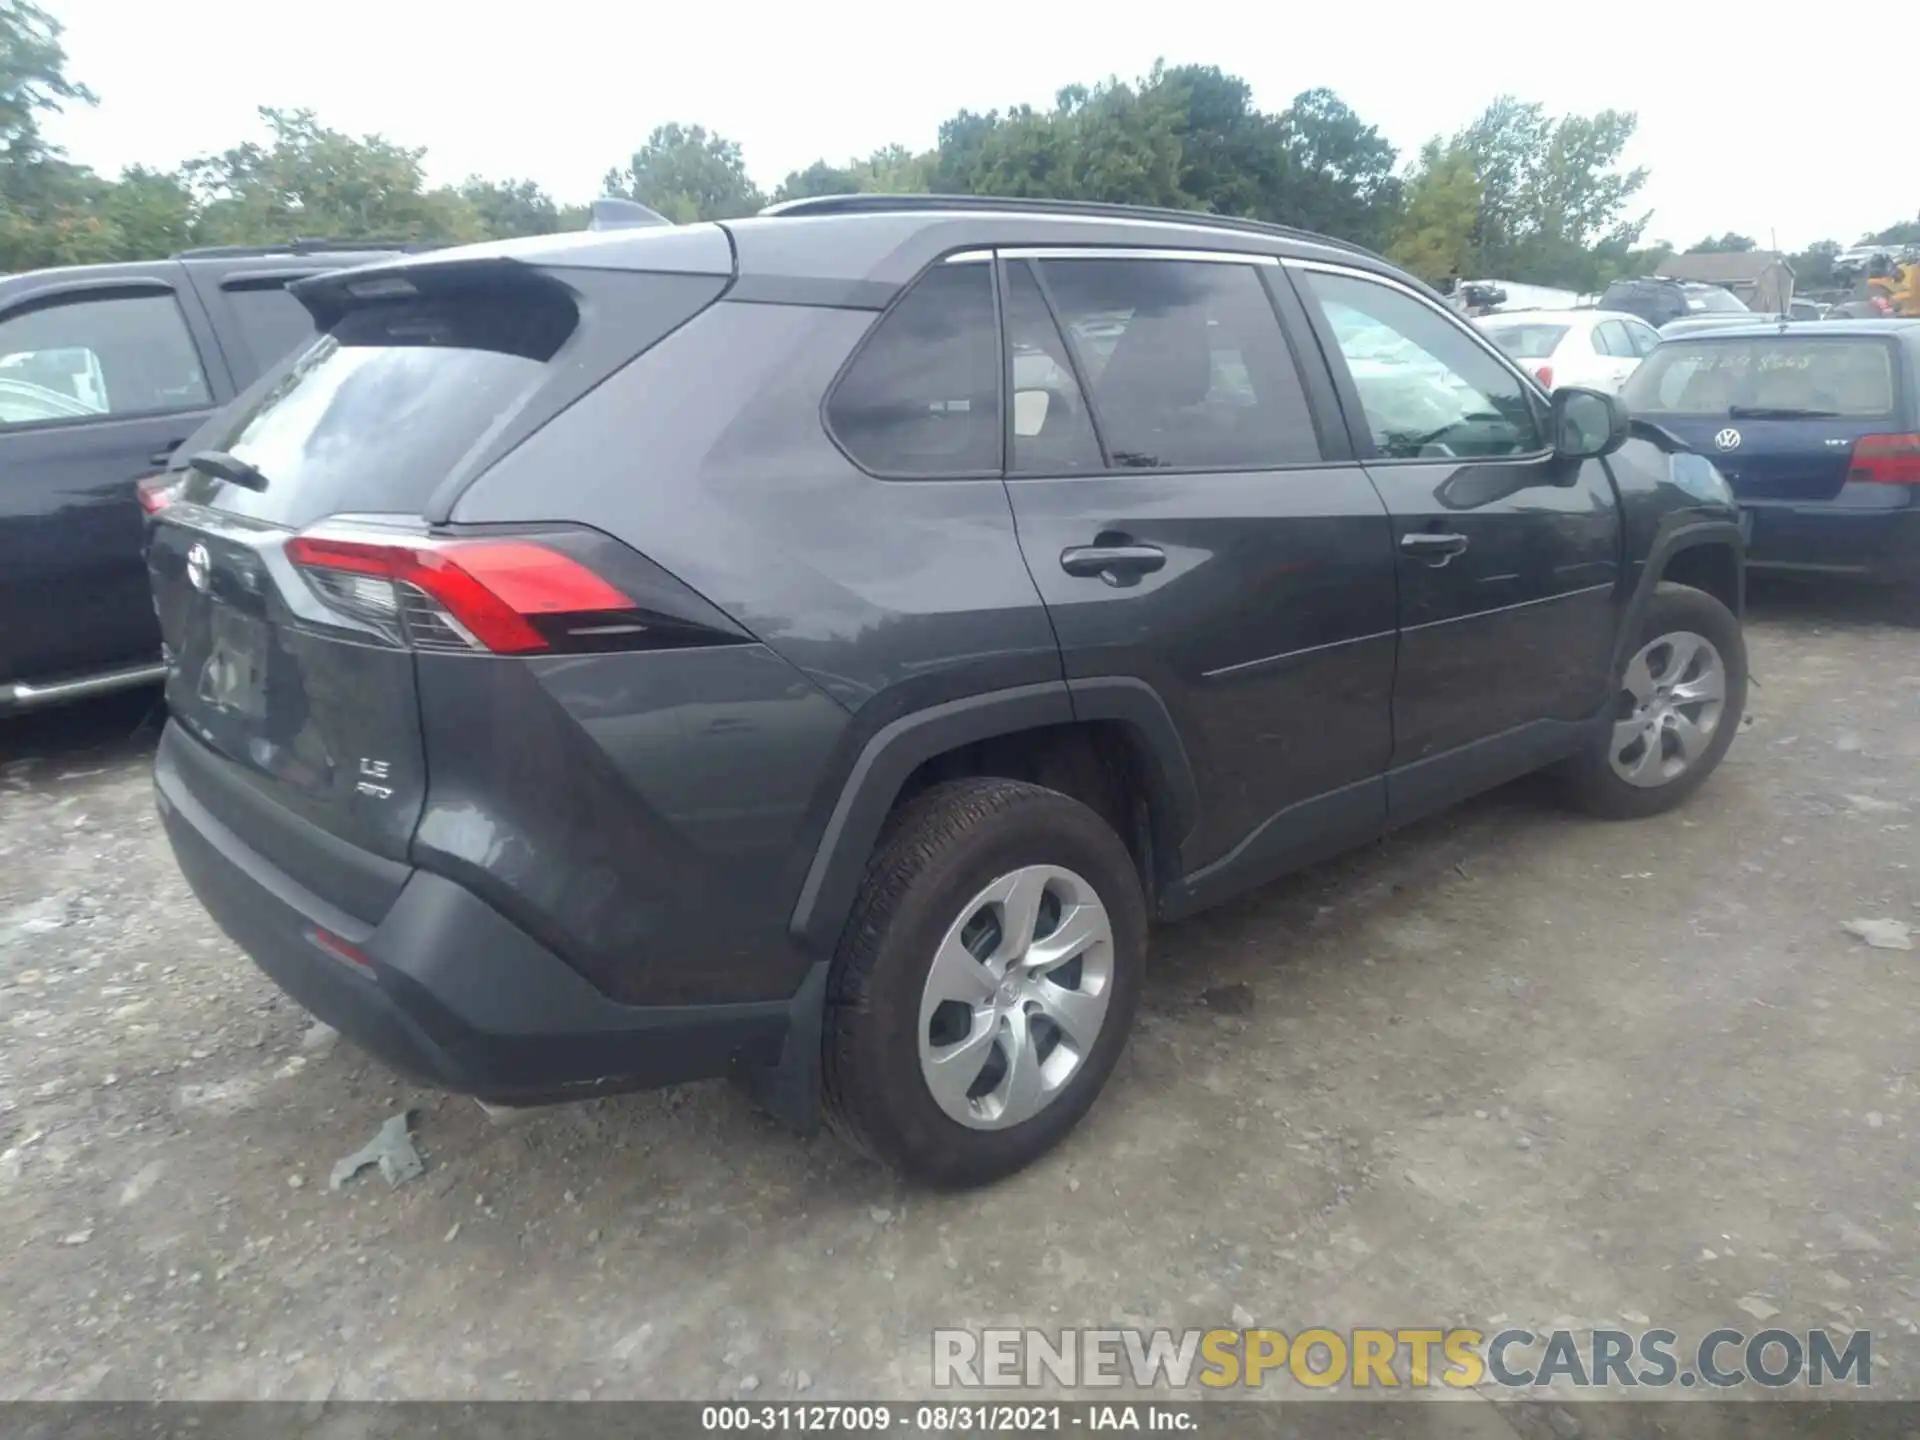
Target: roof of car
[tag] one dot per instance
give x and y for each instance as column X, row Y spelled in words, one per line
column 858, row 250
column 298, row 257
column 1559, row 317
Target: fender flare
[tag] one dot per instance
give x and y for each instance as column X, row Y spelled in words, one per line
column 1690, row 534
column 897, row 749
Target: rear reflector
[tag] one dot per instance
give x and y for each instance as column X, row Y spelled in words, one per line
column 1544, row 374
column 156, row 492
column 1886, row 460
column 446, row 594
column 338, row 948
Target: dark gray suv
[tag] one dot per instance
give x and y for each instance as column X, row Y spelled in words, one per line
column 813, row 648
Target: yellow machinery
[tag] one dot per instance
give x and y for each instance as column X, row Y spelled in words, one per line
column 1890, row 282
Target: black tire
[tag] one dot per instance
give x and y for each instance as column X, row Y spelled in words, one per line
column 941, row 849
column 1589, row 780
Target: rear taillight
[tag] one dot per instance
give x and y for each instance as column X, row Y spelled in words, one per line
column 156, row 492
column 1886, row 460
column 508, row 596
column 1544, row 374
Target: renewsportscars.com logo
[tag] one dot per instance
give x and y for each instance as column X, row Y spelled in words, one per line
column 1414, row 1358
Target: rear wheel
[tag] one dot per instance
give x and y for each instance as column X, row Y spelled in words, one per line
column 985, row 983
column 1677, row 707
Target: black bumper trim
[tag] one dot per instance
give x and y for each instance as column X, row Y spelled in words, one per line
column 454, row 994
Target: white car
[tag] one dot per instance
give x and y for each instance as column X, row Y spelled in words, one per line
column 1597, row 349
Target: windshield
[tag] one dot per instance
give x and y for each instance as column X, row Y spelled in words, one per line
column 1712, row 378
column 1713, row 298
column 1527, row 342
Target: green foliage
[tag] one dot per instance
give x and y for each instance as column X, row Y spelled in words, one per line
column 308, row 180
column 688, row 174
column 1727, row 244
column 505, row 209
column 1813, row 266
column 1517, row 194
column 1435, row 237
column 818, row 178
column 1553, row 195
column 1907, row 232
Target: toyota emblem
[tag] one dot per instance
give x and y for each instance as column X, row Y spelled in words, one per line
column 1728, row 439
column 197, row 562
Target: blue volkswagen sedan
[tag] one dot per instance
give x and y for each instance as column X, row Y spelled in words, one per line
column 1817, row 429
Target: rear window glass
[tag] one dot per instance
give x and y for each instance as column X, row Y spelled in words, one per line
column 270, row 320
column 1527, row 342
column 1712, row 298
column 1700, row 377
column 385, row 405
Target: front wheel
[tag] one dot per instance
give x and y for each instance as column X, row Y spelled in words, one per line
column 986, row 981
column 1677, row 707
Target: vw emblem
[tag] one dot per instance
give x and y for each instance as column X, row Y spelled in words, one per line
column 1728, row 439
column 197, row 562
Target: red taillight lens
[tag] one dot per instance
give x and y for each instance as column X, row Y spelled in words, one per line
column 479, row 594
column 338, row 948
column 1544, row 374
column 155, row 492
column 1886, row 460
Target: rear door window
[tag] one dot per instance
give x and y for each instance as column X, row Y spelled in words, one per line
column 1610, row 338
column 1643, row 337
column 1052, row 430
column 128, row 354
column 922, row 397
column 271, row 322
column 1187, row 363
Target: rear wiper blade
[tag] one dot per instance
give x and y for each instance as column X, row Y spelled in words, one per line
column 230, row 468
column 1778, row 412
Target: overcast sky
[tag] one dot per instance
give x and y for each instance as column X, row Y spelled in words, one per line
column 560, row 90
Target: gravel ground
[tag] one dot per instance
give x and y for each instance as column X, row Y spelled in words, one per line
column 1507, row 1067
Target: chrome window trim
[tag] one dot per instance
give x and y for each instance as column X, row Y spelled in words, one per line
column 1133, row 252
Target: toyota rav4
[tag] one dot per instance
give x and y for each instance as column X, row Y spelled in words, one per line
column 813, row 648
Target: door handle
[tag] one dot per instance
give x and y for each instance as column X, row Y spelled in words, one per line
column 1432, row 549
column 1115, row 564
column 161, row 457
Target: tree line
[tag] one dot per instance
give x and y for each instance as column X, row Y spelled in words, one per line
column 1519, row 194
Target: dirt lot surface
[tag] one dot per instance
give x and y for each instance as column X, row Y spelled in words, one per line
column 1509, row 1067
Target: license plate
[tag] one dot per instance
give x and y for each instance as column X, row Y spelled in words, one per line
column 234, row 677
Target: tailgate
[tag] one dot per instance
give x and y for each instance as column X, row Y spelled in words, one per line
column 1778, row 413
column 1773, row 460
column 287, row 705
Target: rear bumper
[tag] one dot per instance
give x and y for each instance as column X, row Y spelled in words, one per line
column 1853, row 541
column 445, row 990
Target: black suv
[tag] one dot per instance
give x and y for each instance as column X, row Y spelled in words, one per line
column 1658, row 300
column 105, row 370
column 813, row 648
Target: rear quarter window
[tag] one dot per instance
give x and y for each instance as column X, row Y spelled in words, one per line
column 921, row 398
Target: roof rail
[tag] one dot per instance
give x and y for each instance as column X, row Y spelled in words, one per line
column 907, row 204
column 318, row 246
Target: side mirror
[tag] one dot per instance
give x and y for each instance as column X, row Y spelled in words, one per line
column 1587, row 423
